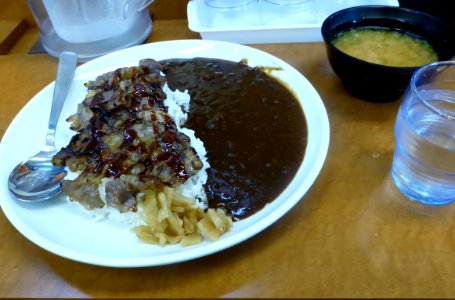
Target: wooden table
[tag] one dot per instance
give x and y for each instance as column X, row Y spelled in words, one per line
column 352, row 235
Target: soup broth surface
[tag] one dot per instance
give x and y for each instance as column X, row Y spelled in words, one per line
column 386, row 47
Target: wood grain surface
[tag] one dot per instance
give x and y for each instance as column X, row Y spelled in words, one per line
column 352, row 235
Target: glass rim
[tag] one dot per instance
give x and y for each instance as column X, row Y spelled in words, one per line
column 228, row 4
column 439, row 64
column 292, row 2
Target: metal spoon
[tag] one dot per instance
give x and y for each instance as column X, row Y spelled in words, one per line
column 36, row 179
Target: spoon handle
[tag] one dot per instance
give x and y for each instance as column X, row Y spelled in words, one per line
column 65, row 72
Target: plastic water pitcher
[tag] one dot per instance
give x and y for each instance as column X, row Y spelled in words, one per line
column 91, row 27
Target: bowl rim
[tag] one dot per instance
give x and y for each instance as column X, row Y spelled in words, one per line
column 328, row 41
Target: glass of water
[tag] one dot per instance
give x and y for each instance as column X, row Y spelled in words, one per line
column 230, row 13
column 228, row 3
column 423, row 165
column 288, row 12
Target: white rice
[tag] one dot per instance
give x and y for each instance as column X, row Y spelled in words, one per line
column 178, row 107
column 178, row 104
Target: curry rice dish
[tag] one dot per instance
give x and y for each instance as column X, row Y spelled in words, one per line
column 128, row 143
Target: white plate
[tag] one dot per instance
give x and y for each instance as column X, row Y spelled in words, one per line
column 61, row 228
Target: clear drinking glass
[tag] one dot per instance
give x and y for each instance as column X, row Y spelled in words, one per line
column 423, row 166
column 288, row 12
column 230, row 13
column 286, row 2
column 228, row 3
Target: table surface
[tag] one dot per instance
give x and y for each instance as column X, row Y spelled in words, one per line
column 352, row 235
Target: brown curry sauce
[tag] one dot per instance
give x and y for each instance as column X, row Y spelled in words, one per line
column 252, row 126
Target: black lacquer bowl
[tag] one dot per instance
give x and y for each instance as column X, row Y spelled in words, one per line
column 374, row 82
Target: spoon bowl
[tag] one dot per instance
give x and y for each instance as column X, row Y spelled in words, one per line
column 37, row 179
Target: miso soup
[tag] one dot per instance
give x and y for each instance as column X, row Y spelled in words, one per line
column 386, row 47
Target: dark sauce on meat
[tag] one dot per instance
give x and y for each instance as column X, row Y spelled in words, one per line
column 252, row 126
